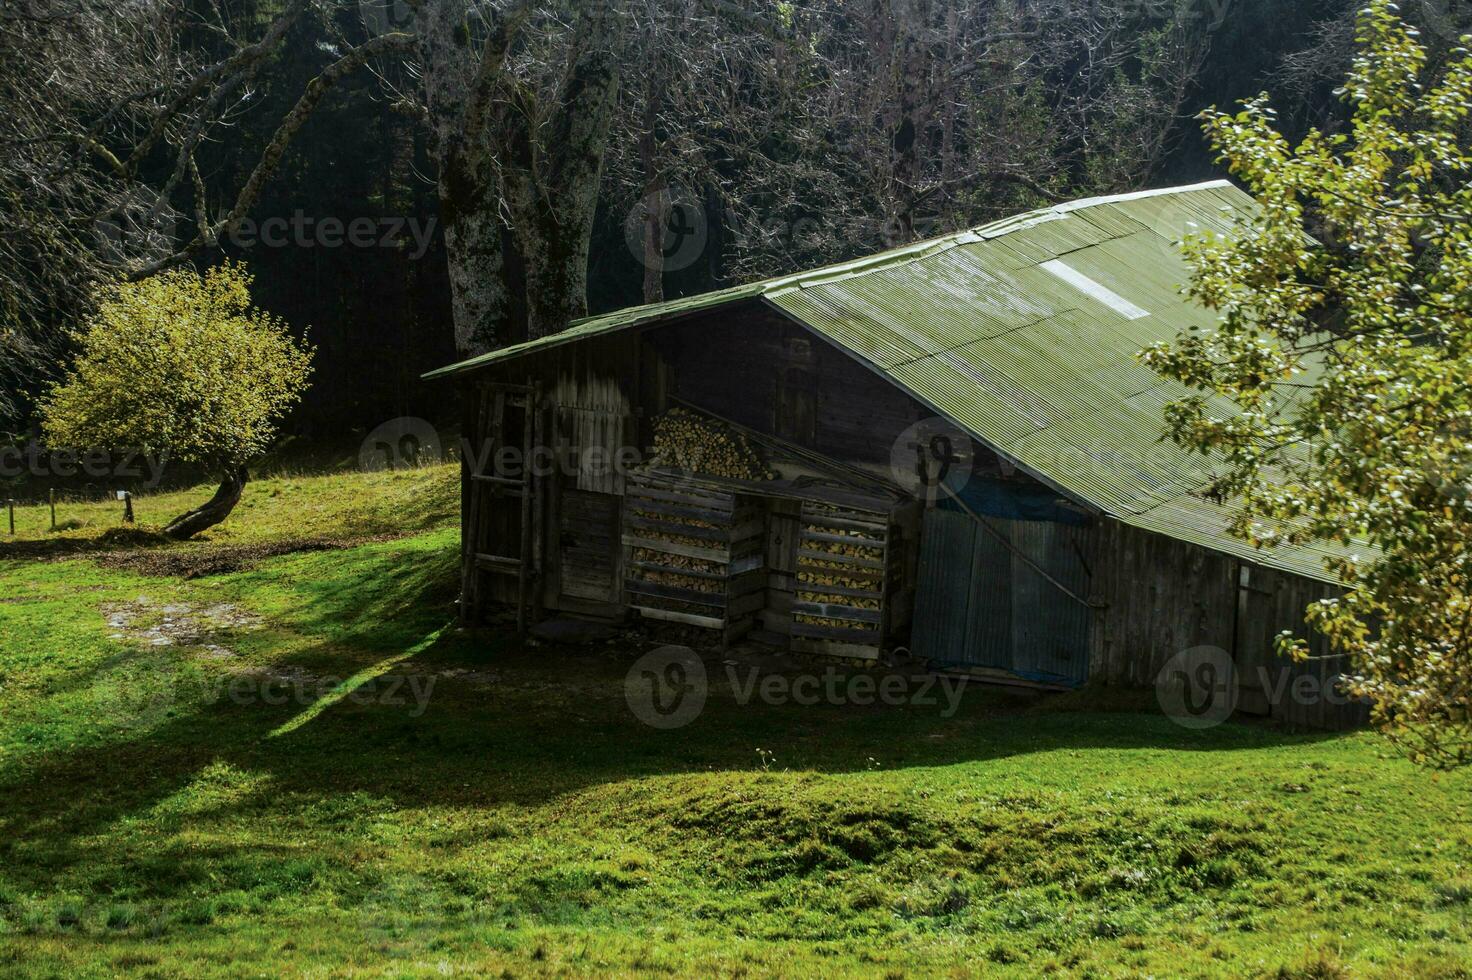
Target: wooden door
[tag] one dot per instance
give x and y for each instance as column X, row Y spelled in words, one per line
column 588, row 545
column 981, row 602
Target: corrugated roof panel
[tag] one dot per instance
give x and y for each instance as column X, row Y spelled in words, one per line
column 1039, row 366
column 881, row 342
column 1050, row 239
column 1111, row 222
column 996, row 404
column 1174, row 217
column 1009, row 255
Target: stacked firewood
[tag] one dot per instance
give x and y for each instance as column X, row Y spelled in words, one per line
column 819, row 575
column 830, row 599
column 670, row 560
column 831, row 574
column 686, row 520
column 842, row 624
column 861, row 547
column 686, row 441
column 691, row 582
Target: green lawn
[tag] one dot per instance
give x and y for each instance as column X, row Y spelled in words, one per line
column 188, row 790
column 341, row 505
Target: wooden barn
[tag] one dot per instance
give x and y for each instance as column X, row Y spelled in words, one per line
column 949, row 448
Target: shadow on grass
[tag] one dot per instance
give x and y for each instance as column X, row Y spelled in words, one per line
column 143, row 551
column 501, row 724
column 112, row 539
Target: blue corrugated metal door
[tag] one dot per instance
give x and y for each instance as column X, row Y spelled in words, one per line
column 941, row 609
column 981, row 602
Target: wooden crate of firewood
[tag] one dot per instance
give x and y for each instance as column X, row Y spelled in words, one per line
column 693, row 553
column 845, row 570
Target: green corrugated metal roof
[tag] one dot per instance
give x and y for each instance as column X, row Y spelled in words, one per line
column 1025, row 332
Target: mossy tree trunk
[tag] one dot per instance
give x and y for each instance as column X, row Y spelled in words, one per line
column 458, row 82
column 215, row 510
column 519, row 165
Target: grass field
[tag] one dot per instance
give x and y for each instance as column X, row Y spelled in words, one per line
column 294, row 764
column 343, row 505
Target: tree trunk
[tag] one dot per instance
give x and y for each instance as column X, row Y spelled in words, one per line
column 552, row 188
column 655, row 197
column 518, row 162
column 467, row 186
column 907, row 125
column 207, row 515
column 479, row 298
column 556, row 273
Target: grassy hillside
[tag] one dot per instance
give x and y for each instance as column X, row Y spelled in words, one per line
column 300, row 766
column 272, row 509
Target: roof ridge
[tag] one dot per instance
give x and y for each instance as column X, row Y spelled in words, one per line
column 927, row 247
column 1089, row 202
column 785, row 284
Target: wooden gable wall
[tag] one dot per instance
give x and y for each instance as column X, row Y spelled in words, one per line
column 760, row 369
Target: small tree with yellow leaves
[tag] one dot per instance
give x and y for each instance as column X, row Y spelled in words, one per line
column 182, row 364
column 1344, row 338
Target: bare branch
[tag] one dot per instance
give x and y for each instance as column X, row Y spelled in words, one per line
column 271, row 156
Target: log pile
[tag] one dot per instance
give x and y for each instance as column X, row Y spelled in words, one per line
column 819, row 573
column 842, row 578
column 693, row 553
column 684, row 440
column 681, row 562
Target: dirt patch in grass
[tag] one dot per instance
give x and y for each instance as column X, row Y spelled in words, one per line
column 182, row 624
column 148, row 551
column 198, row 562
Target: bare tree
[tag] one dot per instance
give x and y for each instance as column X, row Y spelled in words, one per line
column 73, row 73
column 518, row 101
column 806, row 121
column 712, row 84
column 914, row 117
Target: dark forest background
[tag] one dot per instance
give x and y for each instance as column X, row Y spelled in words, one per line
column 379, row 315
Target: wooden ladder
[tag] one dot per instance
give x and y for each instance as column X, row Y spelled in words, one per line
column 485, row 483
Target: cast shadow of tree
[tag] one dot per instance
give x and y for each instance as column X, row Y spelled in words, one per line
column 501, row 724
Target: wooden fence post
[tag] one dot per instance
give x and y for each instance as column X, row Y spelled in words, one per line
column 53, row 508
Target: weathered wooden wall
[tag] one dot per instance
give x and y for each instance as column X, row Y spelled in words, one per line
column 588, row 546
column 1302, row 694
column 590, row 393
column 778, row 378
column 784, row 531
column 1164, row 596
